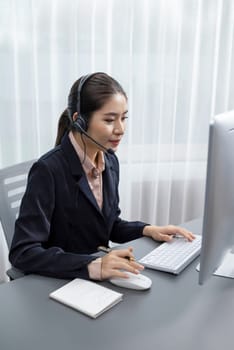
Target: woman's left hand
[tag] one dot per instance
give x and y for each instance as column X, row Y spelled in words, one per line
column 166, row 233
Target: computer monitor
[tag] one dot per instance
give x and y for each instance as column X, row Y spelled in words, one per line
column 217, row 253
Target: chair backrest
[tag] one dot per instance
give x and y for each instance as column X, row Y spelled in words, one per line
column 13, row 182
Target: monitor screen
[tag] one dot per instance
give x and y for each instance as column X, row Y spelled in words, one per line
column 217, row 253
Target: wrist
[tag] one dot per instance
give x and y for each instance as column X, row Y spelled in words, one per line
column 147, row 231
column 95, row 269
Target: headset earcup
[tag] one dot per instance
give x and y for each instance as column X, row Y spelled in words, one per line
column 81, row 124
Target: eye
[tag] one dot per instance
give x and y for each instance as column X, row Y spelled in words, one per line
column 109, row 120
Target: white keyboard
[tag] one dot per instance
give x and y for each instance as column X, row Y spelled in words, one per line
column 173, row 256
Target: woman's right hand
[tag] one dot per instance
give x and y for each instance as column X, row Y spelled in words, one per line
column 117, row 261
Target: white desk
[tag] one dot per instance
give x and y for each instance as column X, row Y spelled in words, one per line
column 176, row 313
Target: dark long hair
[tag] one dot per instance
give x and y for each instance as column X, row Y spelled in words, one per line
column 96, row 91
column 64, row 124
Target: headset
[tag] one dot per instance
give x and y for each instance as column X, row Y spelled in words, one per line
column 81, row 123
column 74, row 104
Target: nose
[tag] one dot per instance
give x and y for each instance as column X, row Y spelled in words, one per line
column 119, row 127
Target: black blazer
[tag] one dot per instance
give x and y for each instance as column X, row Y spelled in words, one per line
column 60, row 223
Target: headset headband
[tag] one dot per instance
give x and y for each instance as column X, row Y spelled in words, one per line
column 80, row 87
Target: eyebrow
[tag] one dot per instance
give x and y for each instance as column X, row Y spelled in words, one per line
column 114, row 114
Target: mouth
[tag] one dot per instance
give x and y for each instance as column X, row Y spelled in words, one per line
column 114, row 143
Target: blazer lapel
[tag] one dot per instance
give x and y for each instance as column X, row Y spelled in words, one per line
column 77, row 171
column 110, row 183
column 84, row 187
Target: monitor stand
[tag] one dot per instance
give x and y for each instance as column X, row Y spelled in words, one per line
column 226, row 269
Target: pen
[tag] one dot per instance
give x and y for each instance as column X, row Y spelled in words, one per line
column 104, row 249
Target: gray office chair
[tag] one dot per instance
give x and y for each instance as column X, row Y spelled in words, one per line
column 12, row 187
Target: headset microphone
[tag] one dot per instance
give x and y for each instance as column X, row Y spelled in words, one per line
column 82, row 131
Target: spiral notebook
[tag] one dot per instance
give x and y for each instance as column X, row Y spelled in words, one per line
column 87, row 297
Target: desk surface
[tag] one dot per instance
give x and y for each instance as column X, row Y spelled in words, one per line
column 176, row 313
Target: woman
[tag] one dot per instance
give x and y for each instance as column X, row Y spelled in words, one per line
column 71, row 204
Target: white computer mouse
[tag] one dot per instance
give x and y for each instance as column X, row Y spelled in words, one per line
column 138, row 282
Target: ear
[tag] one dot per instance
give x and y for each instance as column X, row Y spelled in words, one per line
column 75, row 116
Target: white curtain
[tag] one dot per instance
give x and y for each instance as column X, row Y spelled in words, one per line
column 175, row 59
